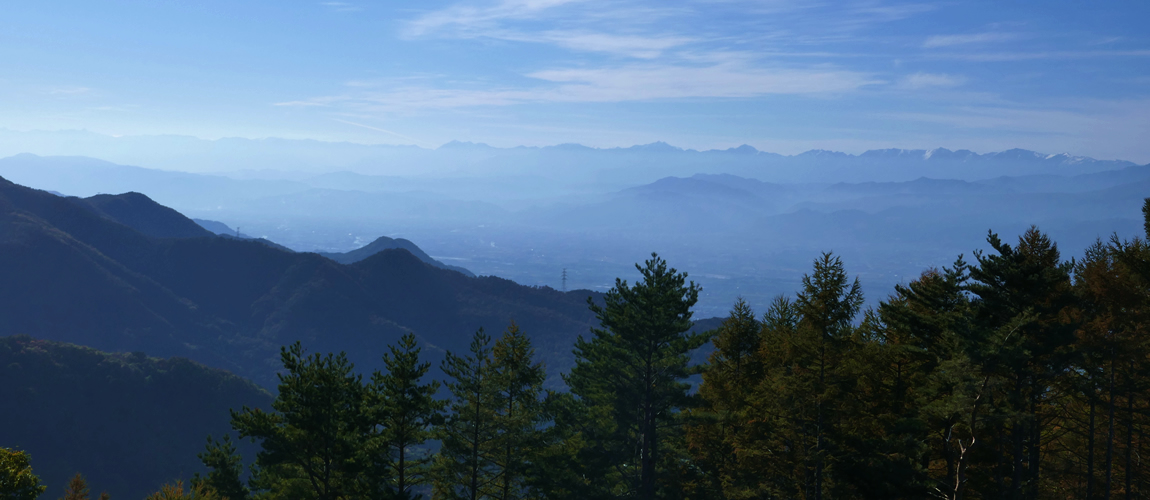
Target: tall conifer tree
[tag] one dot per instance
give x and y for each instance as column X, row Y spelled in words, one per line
column 717, row 436
column 403, row 410
column 828, row 304
column 632, row 374
column 225, row 470
column 518, row 384
column 1023, row 294
column 464, row 468
column 313, row 440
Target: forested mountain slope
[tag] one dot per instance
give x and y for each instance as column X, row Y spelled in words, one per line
column 74, row 275
column 127, row 422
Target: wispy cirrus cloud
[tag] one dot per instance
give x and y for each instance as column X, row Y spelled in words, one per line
column 342, row 6
column 937, row 41
column 470, row 20
column 578, row 25
column 1038, row 55
column 637, row 46
column 638, row 82
column 919, row 81
column 68, row 90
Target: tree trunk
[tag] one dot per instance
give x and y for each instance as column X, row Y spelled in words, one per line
column 1035, row 444
column 819, row 423
column 402, row 482
column 647, row 433
column 474, row 493
column 1129, row 442
column 1110, row 433
column 1090, row 450
column 1017, row 433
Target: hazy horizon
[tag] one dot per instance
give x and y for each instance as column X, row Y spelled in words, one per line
column 780, row 76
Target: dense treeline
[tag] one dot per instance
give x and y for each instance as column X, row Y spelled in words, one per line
column 1018, row 375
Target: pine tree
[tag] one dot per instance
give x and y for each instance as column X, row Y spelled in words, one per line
column 176, row 491
column 1113, row 347
column 827, row 304
column 403, row 411
column 77, row 489
column 464, row 468
column 720, row 424
column 226, row 468
column 1023, row 294
column 929, row 323
column 312, row 443
column 518, row 383
column 631, row 376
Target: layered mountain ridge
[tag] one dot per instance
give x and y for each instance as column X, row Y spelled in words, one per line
column 75, row 275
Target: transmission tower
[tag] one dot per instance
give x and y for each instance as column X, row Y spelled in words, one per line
column 564, row 279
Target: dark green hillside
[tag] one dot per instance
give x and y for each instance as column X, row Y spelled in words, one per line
column 139, row 212
column 69, row 274
column 128, row 422
column 53, row 283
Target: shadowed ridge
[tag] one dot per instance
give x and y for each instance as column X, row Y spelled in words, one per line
column 139, row 212
column 128, row 422
column 64, row 275
column 73, row 275
column 384, row 243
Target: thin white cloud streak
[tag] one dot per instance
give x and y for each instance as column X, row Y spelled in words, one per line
column 920, row 81
column 641, row 47
column 1026, row 56
column 69, row 90
column 342, row 6
column 966, row 39
column 377, row 129
column 624, row 84
column 468, row 19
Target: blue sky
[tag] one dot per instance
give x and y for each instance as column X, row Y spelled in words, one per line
column 780, row 75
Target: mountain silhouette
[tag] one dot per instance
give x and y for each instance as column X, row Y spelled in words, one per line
column 139, row 212
column 384, row 243
column 74, row 274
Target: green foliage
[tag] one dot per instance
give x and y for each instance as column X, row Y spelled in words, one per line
column 518, row 383
column 631, row 375
column 226, row 468
column 77, row 489
column 313, row 440
column 402, row 410
column 17, row 482
column 494, row 444
column 1021, row 377
column 105, row 414
column 1022, row 297
column 827, row 305
column 176, row 491
column 721, row 428
column 464, row 468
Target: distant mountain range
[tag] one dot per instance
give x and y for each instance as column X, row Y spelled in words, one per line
column 732, row 216
column 380, row 244
column 74, row 273
column 572, row 163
